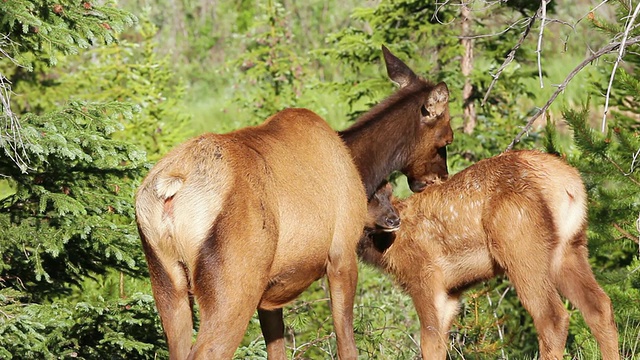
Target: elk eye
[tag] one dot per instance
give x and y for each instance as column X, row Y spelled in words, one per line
column 424, row 111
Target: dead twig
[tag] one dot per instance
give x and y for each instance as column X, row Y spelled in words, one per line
column 623, row 45
column 543, row 18
column 605, row 50
column 11, row 137
column 509, row 57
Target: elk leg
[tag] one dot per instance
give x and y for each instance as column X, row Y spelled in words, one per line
column 433, row 306
column 229, row 280
column 272, row 326
column 449, row 310
column 523, row 251
column 228, row 297
column 550, row 318
column 171, row 293
column 342, row 274
column 576, row 282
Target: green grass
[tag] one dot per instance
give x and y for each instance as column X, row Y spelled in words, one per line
column 212, row 109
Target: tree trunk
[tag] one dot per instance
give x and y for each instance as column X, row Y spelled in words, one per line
column 469, row 110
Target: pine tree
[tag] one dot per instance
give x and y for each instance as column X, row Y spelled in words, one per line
column 85, row 111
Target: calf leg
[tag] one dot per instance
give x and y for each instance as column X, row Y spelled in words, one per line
column 576, row 282
column 550, row 317
column 435, row 313
column 171, row 293
column 449, row 310
column 523, row 250
column 272, row 327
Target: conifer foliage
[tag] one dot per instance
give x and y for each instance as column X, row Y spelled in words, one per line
column 67, row 179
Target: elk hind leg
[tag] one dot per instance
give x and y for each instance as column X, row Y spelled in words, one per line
column 170, row 288
column 575, row 280
column 230, row 277
column 272, row 326
column 523, row 252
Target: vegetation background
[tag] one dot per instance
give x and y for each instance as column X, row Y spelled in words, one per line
column 94, row 92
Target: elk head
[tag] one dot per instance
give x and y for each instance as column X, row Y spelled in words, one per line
column 383, row 216
column 426, row 161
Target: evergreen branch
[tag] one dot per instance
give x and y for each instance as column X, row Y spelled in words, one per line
column 509, row 57
column 623, row 43
column 605, row 50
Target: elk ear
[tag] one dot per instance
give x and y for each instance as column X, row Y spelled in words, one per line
column 388, row 188
column 436, row 103
column 398, row 71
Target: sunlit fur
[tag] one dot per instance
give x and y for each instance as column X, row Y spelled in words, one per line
column 251, row 218
column 420, row 111
column 522, row 213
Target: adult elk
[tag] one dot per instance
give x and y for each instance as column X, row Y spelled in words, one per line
column 251, row 218
column 522, row 213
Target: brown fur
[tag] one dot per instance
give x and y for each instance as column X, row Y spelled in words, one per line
column 251, row 218
column 420, row 113
column 522, row 213
column 252, row 223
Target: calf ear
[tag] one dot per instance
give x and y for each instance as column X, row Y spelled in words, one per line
column 398, row 71
column 437, row 102
column 388, row 189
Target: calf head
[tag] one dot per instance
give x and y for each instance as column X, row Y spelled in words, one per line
column 383, row 216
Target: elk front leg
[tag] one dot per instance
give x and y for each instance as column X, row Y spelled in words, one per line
column 435, row 310
column 342, row 273
column 272, row 327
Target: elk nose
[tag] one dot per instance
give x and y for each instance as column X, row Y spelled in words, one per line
column 417, row 186
column 392, row 221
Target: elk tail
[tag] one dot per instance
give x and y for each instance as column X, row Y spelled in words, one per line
column 168, row 186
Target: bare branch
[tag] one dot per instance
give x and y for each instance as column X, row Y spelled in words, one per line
column 495, row 316
column 11, row 137
column 605, row 50
column 623, row 45
column 638, row 229
column 509, row 57
column 633, row 163
column 516, row 23
column 543, row 18
column 591, row 11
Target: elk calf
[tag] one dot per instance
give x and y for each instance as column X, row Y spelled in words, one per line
column 522, row 213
